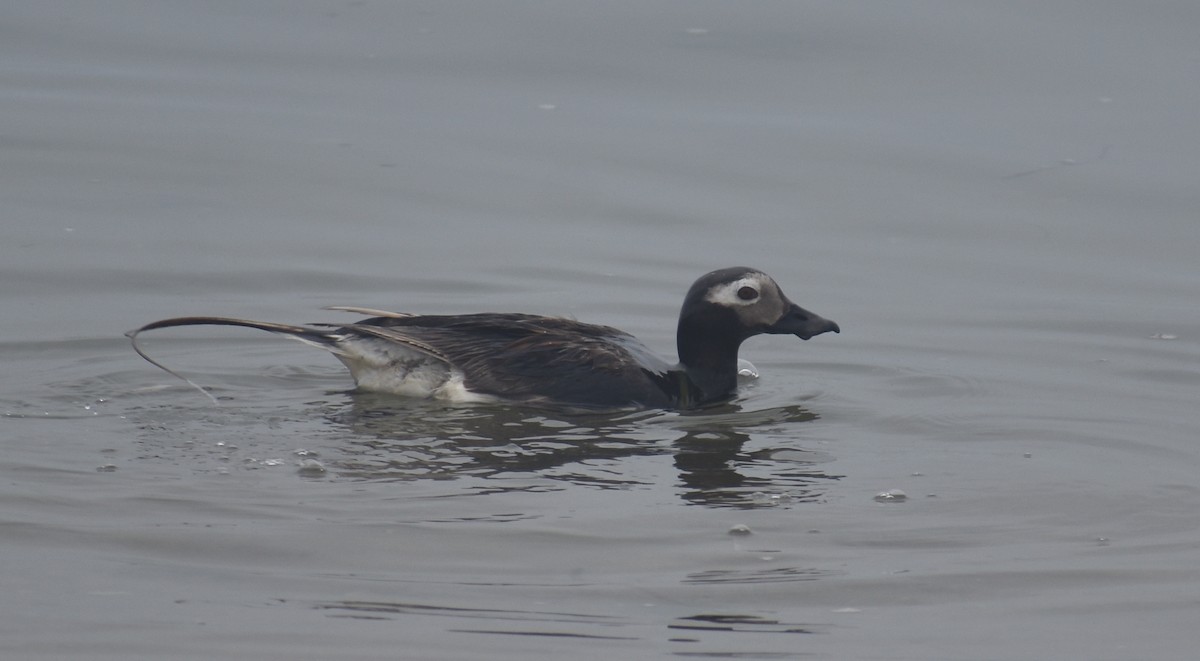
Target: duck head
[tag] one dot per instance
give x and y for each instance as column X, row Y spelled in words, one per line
column 724, row 308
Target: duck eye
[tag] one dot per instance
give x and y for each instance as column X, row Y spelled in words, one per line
column 747, row 293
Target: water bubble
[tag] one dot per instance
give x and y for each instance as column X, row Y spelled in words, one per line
column 740, row 529
column 763, row 498
column 891, row 496
column 106, row 468
column 311, row 468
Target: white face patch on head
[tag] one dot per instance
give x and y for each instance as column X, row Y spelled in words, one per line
column 739, row 293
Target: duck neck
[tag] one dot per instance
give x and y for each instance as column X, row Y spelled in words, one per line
column 708, row 349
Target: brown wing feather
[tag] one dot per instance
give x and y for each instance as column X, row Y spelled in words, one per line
column 526, row 356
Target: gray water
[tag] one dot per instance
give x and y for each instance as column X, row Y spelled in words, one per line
column 998, row 202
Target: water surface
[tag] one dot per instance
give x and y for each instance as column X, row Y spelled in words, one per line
column 997, row 204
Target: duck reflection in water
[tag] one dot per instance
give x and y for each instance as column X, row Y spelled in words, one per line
column 425, row 441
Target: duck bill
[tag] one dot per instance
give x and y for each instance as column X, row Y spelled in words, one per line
column 802, row 323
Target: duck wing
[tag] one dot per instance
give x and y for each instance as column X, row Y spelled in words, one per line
column 524, row 357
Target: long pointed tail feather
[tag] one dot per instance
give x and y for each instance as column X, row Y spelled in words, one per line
column 312, row 336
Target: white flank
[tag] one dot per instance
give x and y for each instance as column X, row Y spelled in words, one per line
column 383, row 366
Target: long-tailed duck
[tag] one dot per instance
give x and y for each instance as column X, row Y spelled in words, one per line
column 551, row 360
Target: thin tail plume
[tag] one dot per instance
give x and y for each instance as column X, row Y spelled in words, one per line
column 319, row 338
